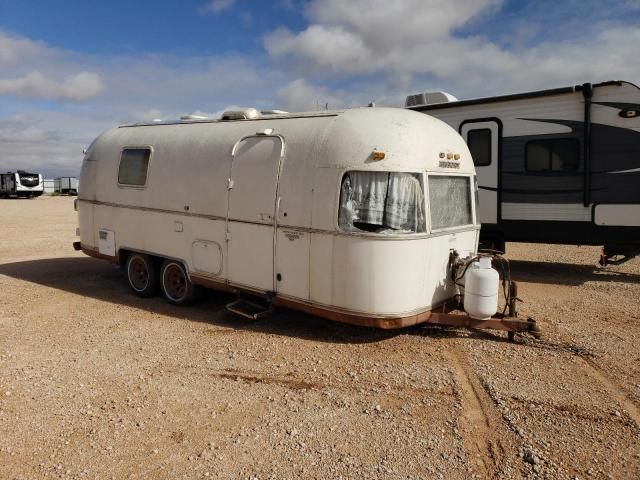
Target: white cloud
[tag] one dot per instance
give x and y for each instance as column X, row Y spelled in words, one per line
column 298, row 96
column 421, row 44
column 217, row 6
column 364, row 36
column 47, row 142
column 35, row 85
column 14, row 48
column 92, row 93
column 33, row 70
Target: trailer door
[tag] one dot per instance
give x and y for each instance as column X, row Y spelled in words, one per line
column 483, row 139
column 251, row 218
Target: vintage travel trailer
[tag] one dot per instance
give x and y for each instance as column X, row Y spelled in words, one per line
column 361, row 216
column 553, row 166
column 21, row 184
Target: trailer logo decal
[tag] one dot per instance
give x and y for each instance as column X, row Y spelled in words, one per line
column 448, row 164
column 293, row 235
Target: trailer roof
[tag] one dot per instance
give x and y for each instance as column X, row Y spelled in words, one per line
column 514, row 96
column 279, row 116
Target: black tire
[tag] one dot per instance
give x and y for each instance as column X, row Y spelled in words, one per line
column 175, row 284
column 142, row 274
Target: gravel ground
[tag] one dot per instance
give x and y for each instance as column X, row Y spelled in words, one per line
column 97, row 383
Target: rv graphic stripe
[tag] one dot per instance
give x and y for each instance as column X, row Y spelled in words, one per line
column 613, row 149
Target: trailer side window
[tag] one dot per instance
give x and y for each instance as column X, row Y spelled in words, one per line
column 479, row 143
column 449, row 201
column 134, row 164
column 382, row 202
column 552, row 155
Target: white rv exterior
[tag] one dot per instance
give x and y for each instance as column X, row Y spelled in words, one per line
column 554, row 166
column 21, row 184
column 351, row 215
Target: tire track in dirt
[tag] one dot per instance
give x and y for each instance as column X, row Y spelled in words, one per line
column 481, row 424
column 616, row 391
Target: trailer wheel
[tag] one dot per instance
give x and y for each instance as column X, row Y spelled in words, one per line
column 142, row 274
column 175, row 284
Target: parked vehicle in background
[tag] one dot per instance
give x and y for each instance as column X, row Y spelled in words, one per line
column 21, row 184
column 554, row 166
column 66, row 185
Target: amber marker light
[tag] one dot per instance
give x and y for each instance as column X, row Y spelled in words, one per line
column 449, row 156
column 456, row 156
column 378, row 155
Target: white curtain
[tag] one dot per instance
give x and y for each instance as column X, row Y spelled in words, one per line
column 382, row 202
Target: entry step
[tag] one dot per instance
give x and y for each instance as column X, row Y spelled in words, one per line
column 250, row 308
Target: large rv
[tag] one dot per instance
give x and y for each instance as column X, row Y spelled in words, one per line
column 21, row 184
column 350, row 215
column 553, row 166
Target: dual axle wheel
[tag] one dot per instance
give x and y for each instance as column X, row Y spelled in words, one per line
column 147, row 275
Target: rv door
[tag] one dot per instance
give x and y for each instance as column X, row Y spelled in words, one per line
column 251, row 218
column 483, row 139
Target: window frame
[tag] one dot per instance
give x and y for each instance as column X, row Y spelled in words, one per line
column 472, row 179
column 550, row 171
column 146, row 178
column 389, row 236
column 484, row 129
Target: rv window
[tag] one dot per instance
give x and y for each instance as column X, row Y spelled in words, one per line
column 479, row 142
column 133, row 166
column 552, row 155
column 382, row 202
column 449, row 201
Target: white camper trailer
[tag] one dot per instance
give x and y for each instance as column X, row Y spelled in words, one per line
column 358, row 216
column 554, row 166
column 21, row 184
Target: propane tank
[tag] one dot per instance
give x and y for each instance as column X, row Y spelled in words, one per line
column 481, row 286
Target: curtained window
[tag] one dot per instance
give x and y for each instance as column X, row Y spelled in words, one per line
column 382, row 202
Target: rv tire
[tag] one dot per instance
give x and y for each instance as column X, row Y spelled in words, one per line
column 175, row 284
column 142, row 274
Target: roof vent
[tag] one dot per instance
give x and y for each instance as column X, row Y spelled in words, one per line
column 428, row 98
column 243, row 114
column 193, row 117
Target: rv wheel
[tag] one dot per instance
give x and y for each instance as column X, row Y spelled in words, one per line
column 175, row 284
column 142, row 273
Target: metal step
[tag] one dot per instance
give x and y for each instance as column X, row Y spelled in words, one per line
column 252, row 309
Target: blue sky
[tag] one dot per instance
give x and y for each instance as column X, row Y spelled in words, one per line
column 71, row 69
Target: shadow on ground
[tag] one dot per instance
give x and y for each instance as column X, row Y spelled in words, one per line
column 572, row 274
column 102, row 281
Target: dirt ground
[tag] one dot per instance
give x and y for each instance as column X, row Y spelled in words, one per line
column 97, row 383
